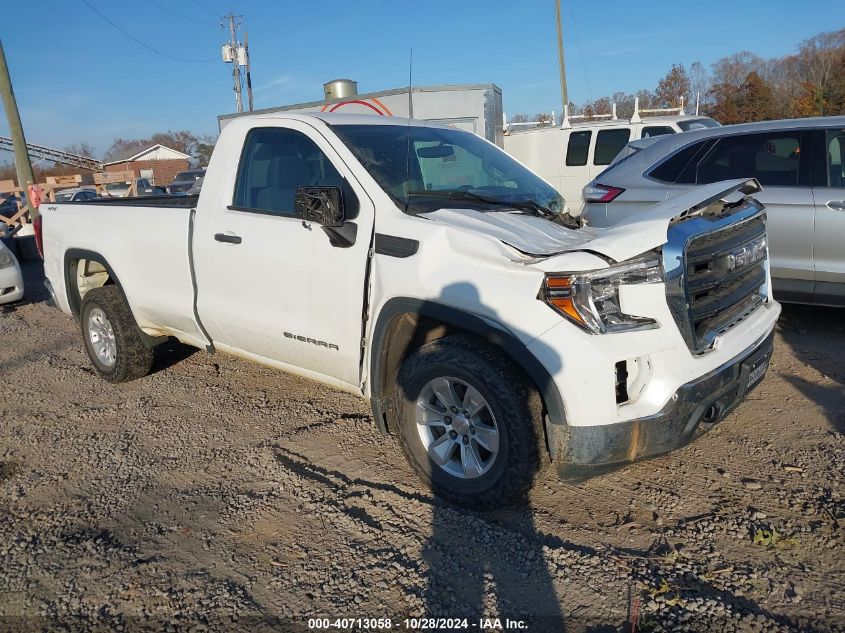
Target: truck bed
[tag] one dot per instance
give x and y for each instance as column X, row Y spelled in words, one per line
column 145, row 240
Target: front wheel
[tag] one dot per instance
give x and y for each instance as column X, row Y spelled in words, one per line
column 470, row 424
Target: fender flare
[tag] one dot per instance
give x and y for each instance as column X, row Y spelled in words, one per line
column 71, row 259
column 498, row 336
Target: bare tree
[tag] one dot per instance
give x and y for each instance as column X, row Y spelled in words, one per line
column 699, row 81
column 818, row 59
column 80, row 149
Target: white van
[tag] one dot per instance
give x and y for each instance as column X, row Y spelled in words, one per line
column 571, row 155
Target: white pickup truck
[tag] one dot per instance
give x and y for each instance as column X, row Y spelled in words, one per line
column 421, row 267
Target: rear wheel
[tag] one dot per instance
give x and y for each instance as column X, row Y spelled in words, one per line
column 470, row 424
column 112, row 338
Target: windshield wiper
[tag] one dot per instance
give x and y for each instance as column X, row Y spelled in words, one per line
column 523, row 205
column 453, row 193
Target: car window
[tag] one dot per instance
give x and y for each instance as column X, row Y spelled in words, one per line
column 835, row 153
column 274, row 163
column 680, row 167
column 773, row 158
column 656, row 130
column 577, row 149
column 697, row 124
column 609, row 143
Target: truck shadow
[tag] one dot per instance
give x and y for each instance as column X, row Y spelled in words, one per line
column 170, row 353
column 816, row 336
column 471, row 574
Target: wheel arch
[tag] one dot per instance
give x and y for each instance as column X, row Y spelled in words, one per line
column 73, row 256
column 404, row 324
column 74, row 296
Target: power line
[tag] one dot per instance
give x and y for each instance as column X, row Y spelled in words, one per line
column 139, row 42
column 200, row 4
column 179, row 15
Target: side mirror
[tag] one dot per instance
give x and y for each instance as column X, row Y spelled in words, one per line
column 323, row 205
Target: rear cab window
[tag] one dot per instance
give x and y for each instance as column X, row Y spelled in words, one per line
column 609, row 143
column 578, row 149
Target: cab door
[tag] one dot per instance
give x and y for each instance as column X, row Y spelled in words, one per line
column 829, row 234
column 270, row 285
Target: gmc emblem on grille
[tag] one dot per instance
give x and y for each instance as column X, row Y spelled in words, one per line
column 747, row 254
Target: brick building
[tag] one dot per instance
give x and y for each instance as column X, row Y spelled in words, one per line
column 158, row 163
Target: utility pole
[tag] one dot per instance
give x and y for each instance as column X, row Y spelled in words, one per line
column 564, row 95
column 22, row 164
column 248, row 75
column 236, row 68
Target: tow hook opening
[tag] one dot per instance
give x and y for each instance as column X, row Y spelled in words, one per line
column 712, row 415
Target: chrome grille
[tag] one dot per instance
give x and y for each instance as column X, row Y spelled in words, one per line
column 716, row 272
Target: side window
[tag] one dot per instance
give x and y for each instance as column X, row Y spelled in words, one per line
column 835, row 153
column 656, row 130
column 680, row 167
column 609, row 143
column 577, row 149
column 773, row 158
column 274, row 163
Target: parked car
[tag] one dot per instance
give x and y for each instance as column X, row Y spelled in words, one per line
column 570, row 156
column 196, row 187
column 77, row 194
column 487, row 337
column 798, row 162
column 152, row 190
column 122, row 189
column 185, row 180
column 8, row 204
column 11, row 279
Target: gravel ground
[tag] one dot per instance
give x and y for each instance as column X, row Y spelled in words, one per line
column 216, row 495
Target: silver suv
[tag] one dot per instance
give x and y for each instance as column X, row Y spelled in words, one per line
column 798, row 162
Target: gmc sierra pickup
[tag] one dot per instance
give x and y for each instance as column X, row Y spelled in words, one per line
column 421, row 267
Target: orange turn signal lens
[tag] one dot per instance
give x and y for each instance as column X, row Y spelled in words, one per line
column 559, row 294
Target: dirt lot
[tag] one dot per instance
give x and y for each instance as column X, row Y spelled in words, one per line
column 218, row 495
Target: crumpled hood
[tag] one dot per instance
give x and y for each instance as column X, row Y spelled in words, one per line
column 639, row 233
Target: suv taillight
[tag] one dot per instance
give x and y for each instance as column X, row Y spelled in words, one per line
column 39, row 241
column 600, row 193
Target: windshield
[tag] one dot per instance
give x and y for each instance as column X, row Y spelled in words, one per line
column 64, row 197
column 428, row 168
column 112, row 186
column 697, row 124
column 187, row 176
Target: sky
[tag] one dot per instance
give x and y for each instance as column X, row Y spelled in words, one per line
column 78, row 79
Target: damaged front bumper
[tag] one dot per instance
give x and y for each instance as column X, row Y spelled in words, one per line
column 581, row 452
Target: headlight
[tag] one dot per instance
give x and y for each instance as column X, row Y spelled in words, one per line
column 7, row 260
column 591, row 299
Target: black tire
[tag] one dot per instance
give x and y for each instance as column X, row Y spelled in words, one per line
column 133, row 358
column 512, row 400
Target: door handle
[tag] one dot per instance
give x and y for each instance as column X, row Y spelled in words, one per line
column 836, row 205
column 226, row 237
